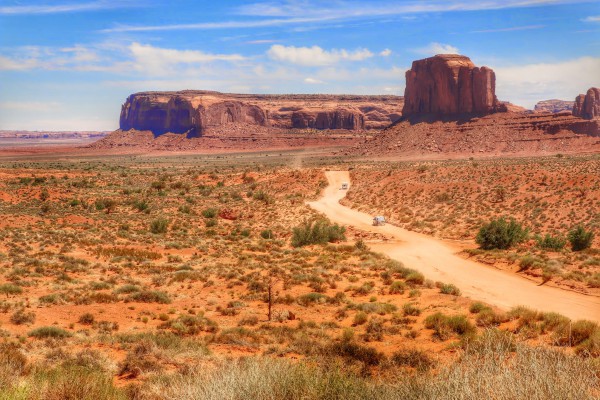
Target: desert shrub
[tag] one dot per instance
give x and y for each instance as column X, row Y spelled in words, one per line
column 21, row 317
column 415, row 278
column 210, row 222
column 150, row 296
column 318, row 231
column 582, row 330
column 210, row 212
column 311, row 298
column 580, row 239
column 10, row 289
column 86, row 319
column 488, row 318
column 141, row 205
column 549, row 242
column 159, row 225
column 500, row 234
column 397, row 287
column 448, row 288
column 49, row 332
column 262, row 196
column 477, row 307
column 266, row 234
column 350, row 350
column 529, row 261
column 377, row 308
column 374, row 329
column 248, row 320
column 413, row 358
column 409, row 309
column 360, row 318
column 443, row 325
column 590, row 347
column 190, row 325
column 127, row 289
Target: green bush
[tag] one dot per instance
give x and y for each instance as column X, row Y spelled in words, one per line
column 318, row 231
column 10, row 288
column 501, row 234
column 209, row 213
column 159, row 225
column 550, row 242
column 580, row 239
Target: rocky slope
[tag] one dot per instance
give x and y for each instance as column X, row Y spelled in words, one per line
column 196, row 112
column 553, row 106
column 449, row 85
column 588, row 105
column 494, row 134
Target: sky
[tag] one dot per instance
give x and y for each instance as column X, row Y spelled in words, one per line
column 70, row 65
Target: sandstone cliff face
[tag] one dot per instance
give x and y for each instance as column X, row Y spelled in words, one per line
column 588, row 105
column 194, row 112
column 553, row 106
column 446, row 85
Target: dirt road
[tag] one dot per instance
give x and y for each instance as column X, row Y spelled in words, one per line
column 438, row 260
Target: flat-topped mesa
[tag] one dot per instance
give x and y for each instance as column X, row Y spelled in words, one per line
column 553, row 106
column 193, row 112
column 449, row 85
column 588, row 105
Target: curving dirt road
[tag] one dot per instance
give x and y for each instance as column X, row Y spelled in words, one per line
column 438, row 260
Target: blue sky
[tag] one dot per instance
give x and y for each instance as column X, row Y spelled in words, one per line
column 69, row 65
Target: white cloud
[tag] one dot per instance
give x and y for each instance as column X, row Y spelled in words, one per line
column 436, row 48
column 312, row 81
column 525, row 85
column 108, row 57
column 511, row 29
column 593, row 18
column 313, row 12
column 16, row 64
column 64, row 8
column 385, row 53
column 156, row 60
column 315, row 55
column 354, row 9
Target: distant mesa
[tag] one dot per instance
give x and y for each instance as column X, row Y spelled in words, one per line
column 587, row 105
column 194, row 112
column 450, row 85
column 553, row 106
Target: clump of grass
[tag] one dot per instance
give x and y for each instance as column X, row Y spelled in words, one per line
column 49, row 332
column 159, row 225
column 444, row 325
column 150, row 296
column 449, row 288
column 413, row 358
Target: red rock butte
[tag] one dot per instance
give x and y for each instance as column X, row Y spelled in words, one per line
column 450, row 85
column 587, row 105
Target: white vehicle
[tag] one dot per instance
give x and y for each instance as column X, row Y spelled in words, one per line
column 344, row 185
column 379, row 220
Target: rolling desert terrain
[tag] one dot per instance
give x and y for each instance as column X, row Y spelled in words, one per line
column 260, row 200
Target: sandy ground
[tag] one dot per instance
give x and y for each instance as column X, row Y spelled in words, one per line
column 439, row 260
